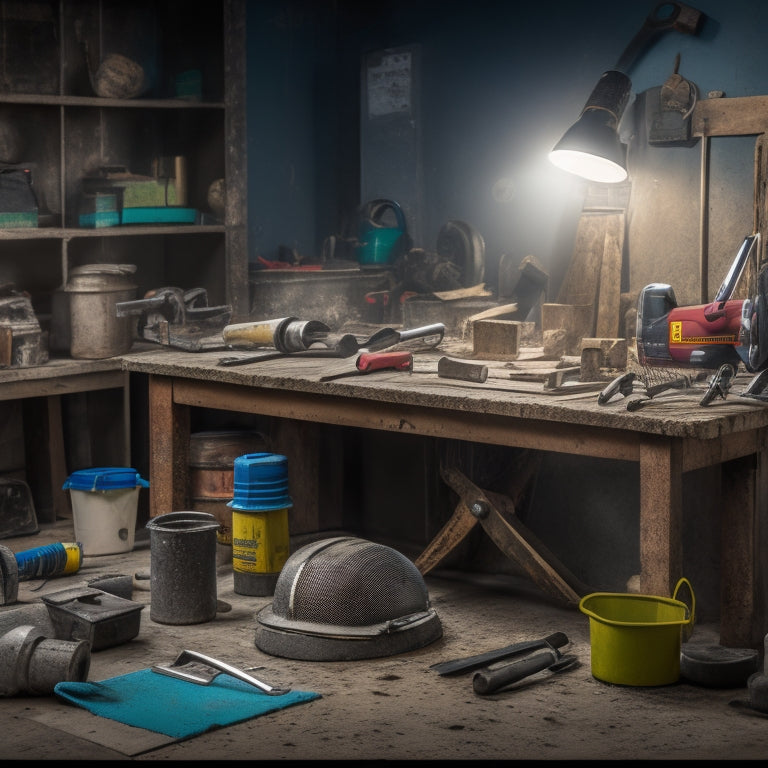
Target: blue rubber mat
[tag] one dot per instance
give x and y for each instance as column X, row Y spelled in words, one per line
column 175, row 707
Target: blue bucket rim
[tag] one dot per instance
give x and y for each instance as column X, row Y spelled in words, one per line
column 104, row 479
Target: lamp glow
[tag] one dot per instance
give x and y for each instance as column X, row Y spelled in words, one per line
column 591, row 147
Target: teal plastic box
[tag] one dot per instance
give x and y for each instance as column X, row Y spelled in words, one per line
column 159, row 215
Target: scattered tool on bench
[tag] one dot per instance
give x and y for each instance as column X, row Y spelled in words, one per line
column 177, row 318
column 624, row 385
column 430, row 336
column 368, row 362
column 285, row 334
column 311, row 338
column 448, row 368
column 197, row 668
column 340, row 346
column 467, row 664
column 491, row 679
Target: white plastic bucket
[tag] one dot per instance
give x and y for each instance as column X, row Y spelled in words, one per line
column 104, row 505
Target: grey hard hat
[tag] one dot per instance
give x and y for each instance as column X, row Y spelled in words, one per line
column 347, row 598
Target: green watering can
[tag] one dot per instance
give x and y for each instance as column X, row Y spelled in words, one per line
column 379, row 242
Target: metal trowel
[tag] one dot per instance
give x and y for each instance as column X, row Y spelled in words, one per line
column 202, row 670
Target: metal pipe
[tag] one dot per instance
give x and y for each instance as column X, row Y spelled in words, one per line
column 704, row 222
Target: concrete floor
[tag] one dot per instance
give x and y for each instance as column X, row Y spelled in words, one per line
column 393, row 707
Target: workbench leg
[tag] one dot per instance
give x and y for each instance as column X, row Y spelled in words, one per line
column 46, row 459
column 661, row 516
column 315, row 473
column 168, row 449
column 741, row 610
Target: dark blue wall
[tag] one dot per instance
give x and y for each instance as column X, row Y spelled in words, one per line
column 499, row 83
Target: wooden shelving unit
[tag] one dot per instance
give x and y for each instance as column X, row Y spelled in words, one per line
column 53, row 121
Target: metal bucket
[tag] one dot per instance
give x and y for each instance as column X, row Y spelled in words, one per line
column 183, row 567
column 95, row 331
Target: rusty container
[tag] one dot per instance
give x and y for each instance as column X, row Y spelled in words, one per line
column 212, row 455
column 93, row 292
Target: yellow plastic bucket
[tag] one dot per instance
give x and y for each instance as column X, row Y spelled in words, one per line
column 636, row 639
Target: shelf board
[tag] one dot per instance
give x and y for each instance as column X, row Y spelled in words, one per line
column 96, row 101
column 70, row 233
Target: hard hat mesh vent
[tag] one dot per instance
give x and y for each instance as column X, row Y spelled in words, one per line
column 349, row 582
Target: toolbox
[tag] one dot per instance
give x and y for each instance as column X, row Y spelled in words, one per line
column 87, row 613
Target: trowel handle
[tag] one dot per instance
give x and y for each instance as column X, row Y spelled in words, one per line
column 490, row 680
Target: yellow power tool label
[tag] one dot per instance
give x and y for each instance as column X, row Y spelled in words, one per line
column 676, row 336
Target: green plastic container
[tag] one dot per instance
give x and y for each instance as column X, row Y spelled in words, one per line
column 636, row 639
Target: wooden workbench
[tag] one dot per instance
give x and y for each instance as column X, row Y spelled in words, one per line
column 39, row 389
column 672, row 436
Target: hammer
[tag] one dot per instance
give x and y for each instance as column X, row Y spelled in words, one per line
column 491, row 679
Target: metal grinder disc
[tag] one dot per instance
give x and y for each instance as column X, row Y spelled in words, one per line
column 715, row 666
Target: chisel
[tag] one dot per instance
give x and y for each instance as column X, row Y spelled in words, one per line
column 555, row 640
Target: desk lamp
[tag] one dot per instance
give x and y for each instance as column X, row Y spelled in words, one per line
column 591, row 147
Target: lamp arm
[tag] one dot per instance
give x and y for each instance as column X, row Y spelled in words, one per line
column 683, row 18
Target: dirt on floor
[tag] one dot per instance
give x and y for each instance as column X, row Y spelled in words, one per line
column 391, row 708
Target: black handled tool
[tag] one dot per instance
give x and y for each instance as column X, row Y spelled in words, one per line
column 389, row 337
column 454, row 667
column 490, row 680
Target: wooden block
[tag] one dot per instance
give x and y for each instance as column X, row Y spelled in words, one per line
column 503, row 310
column 594, row 274
column 559, row 376
column 496, row 339
column 576, row 320
column 609, row 293
column 6, row 347
column 554, row 343
column 612, row 353
column 590, row 364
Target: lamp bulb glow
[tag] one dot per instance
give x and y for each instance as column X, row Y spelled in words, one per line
column 591, row 167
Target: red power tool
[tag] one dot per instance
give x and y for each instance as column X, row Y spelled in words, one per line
column 720, row 335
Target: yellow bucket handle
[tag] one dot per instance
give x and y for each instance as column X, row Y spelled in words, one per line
column 688, row 626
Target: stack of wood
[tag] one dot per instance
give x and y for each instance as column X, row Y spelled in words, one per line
column 588, row 318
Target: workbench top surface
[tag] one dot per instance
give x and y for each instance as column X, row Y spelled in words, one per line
column 513, row 389
column 57, row 367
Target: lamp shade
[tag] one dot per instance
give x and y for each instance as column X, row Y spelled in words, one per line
column 591, row 147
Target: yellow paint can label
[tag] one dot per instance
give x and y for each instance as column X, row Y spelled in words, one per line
column 260, row 540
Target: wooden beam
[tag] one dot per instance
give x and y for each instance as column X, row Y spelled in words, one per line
column 740, row 116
